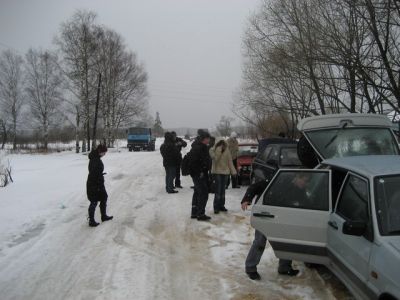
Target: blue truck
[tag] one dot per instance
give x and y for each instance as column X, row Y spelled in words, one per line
column 141, row 138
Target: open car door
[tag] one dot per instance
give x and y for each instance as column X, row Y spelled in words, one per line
column 293, row 214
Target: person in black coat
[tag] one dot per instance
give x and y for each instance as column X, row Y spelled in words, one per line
column 199, row 166
column 171, row 157
column 95, row 189
column 179, row 143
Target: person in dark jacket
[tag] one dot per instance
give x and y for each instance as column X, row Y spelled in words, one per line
column 199, row 167
column 258, row 246
column 171, row 157
column 95, row 189
column 179, row 143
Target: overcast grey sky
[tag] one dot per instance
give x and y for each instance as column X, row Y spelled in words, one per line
column 191, row 48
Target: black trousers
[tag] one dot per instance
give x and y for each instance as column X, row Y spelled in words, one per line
column 102, row 198
column 178, row 175
column 200, row 195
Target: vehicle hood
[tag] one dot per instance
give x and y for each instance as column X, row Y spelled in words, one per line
column 245, row 160
column 341, row 135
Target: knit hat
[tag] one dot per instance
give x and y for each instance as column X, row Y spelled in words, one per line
column 101, row 148
column 203, row 135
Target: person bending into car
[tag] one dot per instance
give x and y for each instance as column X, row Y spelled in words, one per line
column 222, row 167
column 258, row 246
column 95, row 189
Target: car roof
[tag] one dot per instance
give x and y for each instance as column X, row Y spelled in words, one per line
column 263, row 143
column 337, row 120
column 368, row 165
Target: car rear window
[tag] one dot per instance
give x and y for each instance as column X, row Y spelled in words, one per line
column 289, row 157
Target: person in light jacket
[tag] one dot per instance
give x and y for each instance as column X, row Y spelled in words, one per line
column 222, row 167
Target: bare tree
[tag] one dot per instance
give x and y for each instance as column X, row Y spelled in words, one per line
column 78, row 44
column 11, row 89
column 124, row 93
column 314, row 57
column 224, row 126
column 3, row 133
column 44, row 88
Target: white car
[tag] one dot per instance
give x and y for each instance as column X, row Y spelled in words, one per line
column 345, row 213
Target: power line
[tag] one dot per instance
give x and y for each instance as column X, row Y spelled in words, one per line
column 188, row 99
column 188, row 85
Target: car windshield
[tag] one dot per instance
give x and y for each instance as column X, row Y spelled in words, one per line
column 387, row 203
column 289, row 157
column 341, row 142
column 248, row 150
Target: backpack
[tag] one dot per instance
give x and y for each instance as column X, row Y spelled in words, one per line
column 185, row 166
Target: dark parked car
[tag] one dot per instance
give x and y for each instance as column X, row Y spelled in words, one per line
column 276, row 155
column 246, row 155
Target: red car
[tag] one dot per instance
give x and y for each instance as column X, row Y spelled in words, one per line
column 246, row 155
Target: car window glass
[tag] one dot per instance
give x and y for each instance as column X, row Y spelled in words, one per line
column 263, row 156
column 299, row 189
column 353, row 203
column 387, row 204
column 289, row 157
column 247, row 150
column 274, row 154
column 353, row 141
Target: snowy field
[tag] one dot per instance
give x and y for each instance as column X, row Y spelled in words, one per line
column 151, row 250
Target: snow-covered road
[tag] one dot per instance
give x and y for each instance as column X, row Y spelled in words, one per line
column 151, row 250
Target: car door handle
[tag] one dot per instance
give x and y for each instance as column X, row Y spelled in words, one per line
column 263, row 215
column 333, row 225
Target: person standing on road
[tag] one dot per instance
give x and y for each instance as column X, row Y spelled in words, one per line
column 179, row 143
column 170, row 156
column 233, row 146
column 258, row 246
column 199, row 167
column 222, row 167
column 95, row 189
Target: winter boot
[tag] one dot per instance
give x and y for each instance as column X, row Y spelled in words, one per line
column 93, row 223
column 91, row 210
column 103, row 210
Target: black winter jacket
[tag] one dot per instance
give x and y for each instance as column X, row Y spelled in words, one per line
column 170, row 153
column 180, row 143
column 95, row 188
column 200, row 161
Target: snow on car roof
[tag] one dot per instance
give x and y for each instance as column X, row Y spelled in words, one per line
column 337, row 120
column 368, row 165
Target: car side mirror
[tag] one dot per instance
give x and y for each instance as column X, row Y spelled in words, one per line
column 357, row 228
column 272, row 162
